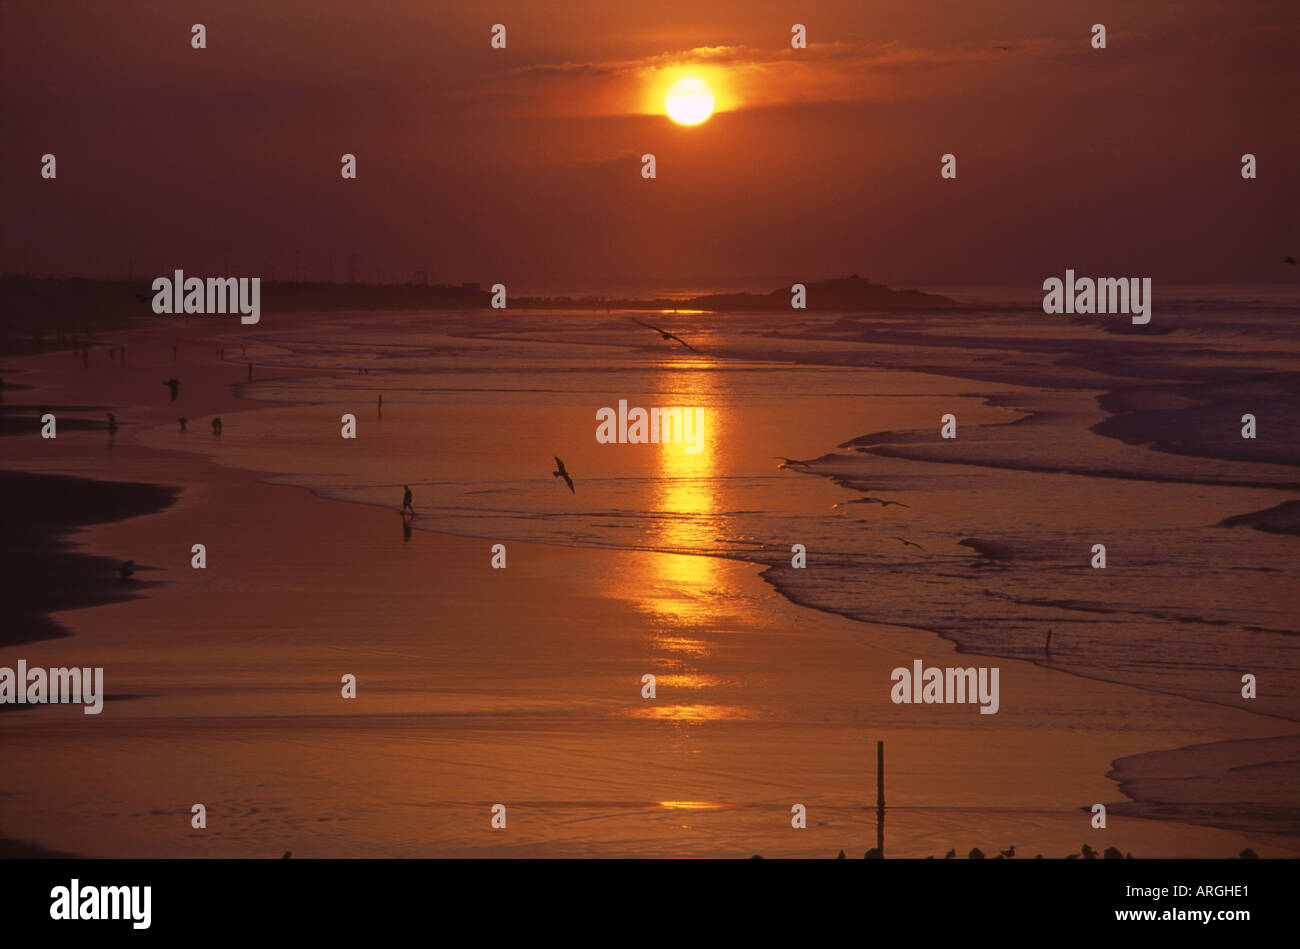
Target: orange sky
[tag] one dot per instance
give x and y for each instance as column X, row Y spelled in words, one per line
column 522, row 165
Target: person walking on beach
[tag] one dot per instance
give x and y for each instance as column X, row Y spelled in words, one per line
column 406, row 501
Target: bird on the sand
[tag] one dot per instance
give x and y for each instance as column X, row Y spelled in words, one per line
column 174, row 385
column 666, row 335
column 1009, row 852
column 287, row 855
column 1088, row 853
column 182, row 421
column 909, row 543
column 562, row 473
column 126, row 571
column 881, row 501
column 950, row 854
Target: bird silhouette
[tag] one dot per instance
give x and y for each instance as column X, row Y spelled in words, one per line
column 126, row 571
column 950, row 854
column 174, row 385
column 1009, row 852
column 287, row 855
column 1088, row 853
column 562, row 473
column 666, row 335
column 182, row 421
column 841, row 856
column 910, row 543
column 216, row 426
column 881, row 501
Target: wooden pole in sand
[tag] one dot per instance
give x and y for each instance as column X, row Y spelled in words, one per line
column 880, row 774
column 880, row 797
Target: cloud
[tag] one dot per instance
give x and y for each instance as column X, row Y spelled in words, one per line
column 744, row 77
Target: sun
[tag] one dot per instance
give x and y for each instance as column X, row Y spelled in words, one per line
column 689, row 101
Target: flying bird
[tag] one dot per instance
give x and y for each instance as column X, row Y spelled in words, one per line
column 174, row 385
column 910, row 543
column 562, row 473
column 881, row 501
column 666, row 335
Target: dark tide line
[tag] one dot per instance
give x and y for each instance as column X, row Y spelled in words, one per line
column 40, row 573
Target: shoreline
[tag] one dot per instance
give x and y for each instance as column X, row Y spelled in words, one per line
column 757, row 567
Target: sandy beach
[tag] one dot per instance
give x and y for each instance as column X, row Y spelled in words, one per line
column 522, row 686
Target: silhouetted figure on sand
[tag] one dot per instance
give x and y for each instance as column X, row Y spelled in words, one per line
column 112, row 423
column 406, row 530
column 183, row 421
column 174, row 385
column 406, row 501
column 216, row 426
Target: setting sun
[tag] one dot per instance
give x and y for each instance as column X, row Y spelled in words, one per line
column 689, row 101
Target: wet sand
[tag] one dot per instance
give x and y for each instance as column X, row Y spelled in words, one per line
column 522, row 686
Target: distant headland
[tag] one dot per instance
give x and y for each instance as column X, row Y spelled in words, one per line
column 53, row 305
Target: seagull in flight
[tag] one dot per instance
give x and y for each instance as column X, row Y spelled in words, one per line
column 666, row 335
column 910, row 543
column 562, row 473
column 881, row 501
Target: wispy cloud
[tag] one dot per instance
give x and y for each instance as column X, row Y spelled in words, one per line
column 744, row 77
